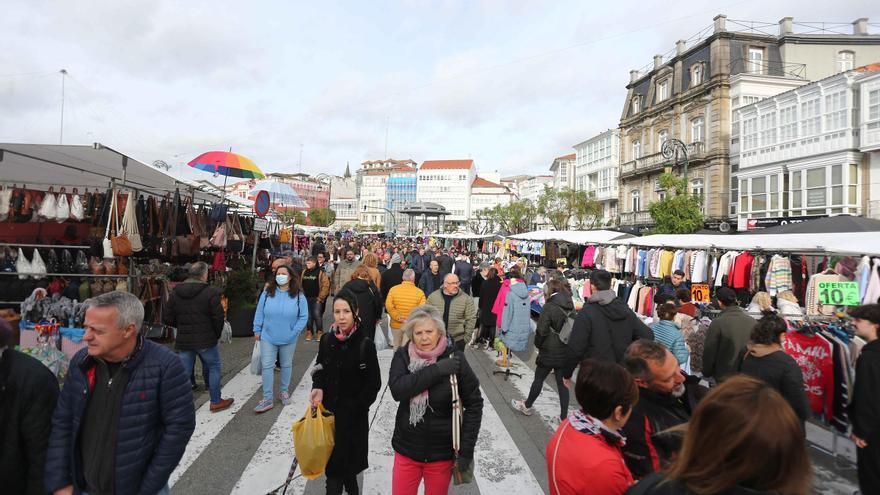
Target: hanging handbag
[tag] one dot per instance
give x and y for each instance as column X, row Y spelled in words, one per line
column 22, row 265
column 48, row 209
column 38, row 266
column 218, row 240
column 460, row 475
column 219, row 264
column 77, row 212
column 5, row 203
column 62, row 207
column 130, row 225
column 107, row 244
column 120, row 245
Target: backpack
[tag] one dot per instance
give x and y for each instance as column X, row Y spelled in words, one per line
column 564, row 333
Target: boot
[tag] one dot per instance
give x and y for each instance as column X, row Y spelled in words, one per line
column 320, row 333
column 308, row 335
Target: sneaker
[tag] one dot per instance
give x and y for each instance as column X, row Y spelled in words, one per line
column 264, row 406
column 285, row 398
column 223, row 404
column 318, row 335
column 308, row 336
column 521, row 407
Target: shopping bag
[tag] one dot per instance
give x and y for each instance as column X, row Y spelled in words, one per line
column 226, row 334
column 380, row 340
column 256, row 365
column 313, row 440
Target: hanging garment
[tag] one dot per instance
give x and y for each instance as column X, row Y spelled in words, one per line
column 863, row 275
column 813, row 355
column 698, row 267
column 812, row 297
column 778, row 278
column 678, row 261
column 589, row 254
column 741, row 271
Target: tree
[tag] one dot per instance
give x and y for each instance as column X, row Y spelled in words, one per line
column 679, row 212
column 322, row 217
column 292, row 217
column 556, row 206
column 515, row 217
column 482, row 222
column 586, row 211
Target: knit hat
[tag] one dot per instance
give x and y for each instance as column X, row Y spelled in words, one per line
column 395, row 260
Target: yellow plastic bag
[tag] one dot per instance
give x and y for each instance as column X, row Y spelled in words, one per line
column 313, row 440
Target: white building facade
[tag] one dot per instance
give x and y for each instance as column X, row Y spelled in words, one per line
column 486, row 194
column 597, row 165
column 869, row 132
column 563, row 171
column 801, row 154
column 447, row 183
column 372, row 185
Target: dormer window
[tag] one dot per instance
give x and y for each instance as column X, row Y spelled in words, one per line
column 636, row 104
column 662, row 90
column 697, row 75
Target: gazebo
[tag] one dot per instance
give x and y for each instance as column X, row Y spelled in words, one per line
column 424, row 210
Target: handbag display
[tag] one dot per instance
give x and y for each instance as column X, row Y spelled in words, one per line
column 119, row 243
column 48, row 209
column 77, row 211
column 130, row 225
column 22, row 265
column 5, row 203
column 62, row 207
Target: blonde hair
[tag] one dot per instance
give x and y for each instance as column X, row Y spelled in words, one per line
column 371, row 260
column 788, row 296
column 762, row 299
column 425, row 312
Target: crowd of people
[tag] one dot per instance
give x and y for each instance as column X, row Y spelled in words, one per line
column 644, row 423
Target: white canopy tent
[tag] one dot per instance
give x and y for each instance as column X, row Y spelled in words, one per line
column 848, row 243
column 462, row 236
column 40, row 166
column 573, row 236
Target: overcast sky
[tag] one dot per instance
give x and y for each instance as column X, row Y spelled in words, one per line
column 511, row 84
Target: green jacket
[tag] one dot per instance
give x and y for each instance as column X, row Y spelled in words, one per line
column 462, row 314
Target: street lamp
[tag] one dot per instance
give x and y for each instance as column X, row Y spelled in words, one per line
column 676, row 150
column 329, row 178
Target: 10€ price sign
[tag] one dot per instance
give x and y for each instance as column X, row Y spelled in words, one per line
column 839, row 293
column 700, row 293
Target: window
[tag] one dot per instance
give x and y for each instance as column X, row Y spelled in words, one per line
column 816, row 192
column 744, row 194
column 759, row 194
column 697, row 188
column 835, row 111
column 756, row 61
column 662, row 137
column 774, row 192
column 874, row 109
column 853, row 184
column 846, row 60
column 796, row 189
column 636, row 197
column 637, row 149
column 697, row 75
column 662, row 90
column 811, row 123
column 636, row 104
column 768, row 129
column 697, row 130
column 750, row 133
column 787, row 123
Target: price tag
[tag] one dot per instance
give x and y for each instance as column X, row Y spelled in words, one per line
column 700, row 293
column 839, row 293
column 261, row 224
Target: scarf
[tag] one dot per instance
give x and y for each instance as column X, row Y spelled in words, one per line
column 340, row 335
column 417, row 361
column 585, row 423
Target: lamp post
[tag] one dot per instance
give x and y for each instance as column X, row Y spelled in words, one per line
column 676, row 150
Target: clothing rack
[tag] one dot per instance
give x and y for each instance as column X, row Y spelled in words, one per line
column 42, row 246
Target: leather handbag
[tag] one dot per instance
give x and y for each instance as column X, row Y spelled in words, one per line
column 130, row 225
column 120, row 244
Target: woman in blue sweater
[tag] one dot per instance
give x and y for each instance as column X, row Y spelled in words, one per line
column 668, row 333
column 281, row 315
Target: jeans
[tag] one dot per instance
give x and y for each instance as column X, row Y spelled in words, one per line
column 541, row 375
column 192, row 376
column 268, row 353
column 211, row 358
column 408, row 474
column 335, row 485
column 316, row 314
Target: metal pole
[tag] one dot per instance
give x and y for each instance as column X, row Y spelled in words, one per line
column 61, row 133
column 254, row 254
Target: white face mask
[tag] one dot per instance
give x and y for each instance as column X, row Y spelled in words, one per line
column 281, row 279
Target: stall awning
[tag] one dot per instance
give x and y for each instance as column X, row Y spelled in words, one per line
column 848, row 243
column 463, row 236
column 87, row 167
column 573, row 236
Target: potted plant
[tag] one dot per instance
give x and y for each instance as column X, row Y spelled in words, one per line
column 242, row 290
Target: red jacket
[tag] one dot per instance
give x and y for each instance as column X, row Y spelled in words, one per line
column 583, row 464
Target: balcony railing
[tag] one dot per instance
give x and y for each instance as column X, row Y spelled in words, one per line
column 656, row 161
column 636, row 218
column 603, row 194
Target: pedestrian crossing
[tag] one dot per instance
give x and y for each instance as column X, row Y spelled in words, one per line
column 500, row 466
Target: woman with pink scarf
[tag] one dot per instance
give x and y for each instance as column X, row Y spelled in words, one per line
column 419, row 381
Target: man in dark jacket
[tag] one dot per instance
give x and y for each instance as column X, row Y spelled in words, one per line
column 676, row 281
column 605, row 327
column 432, row 279
column 393, row 275
column 667, row 397
column 864, row 406
column 465, row 271
column 28, row 392
column 125, row 413
column 195, row 310
column 318, row 246
column 445, row 261
column 727, row 336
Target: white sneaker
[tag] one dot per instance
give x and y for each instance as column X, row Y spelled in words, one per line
column 521, row 407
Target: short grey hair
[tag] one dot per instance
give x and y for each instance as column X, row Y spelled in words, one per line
column 198, row 269
column 425, row 312
column 129, row 308
column 409, row 275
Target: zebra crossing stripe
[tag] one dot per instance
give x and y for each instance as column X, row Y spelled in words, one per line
column 547, row 404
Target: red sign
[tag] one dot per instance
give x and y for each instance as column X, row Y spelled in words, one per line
column 262, row 203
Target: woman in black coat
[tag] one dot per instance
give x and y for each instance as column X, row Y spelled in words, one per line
column 419, row 381
column 553, row 354
column 369, row 300
column 488, row 292
column 346, row 380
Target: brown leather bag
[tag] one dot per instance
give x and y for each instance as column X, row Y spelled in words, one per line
column 121, row 244
column 96, row 267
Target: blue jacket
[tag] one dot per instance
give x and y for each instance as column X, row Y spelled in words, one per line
column 155, row 423
column 669, row 334
column 280, row 319
column 516, row 318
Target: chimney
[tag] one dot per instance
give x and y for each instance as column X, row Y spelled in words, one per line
column 860, row 27
column 658, row 61
column 785, row 26
column 633, row 76
column 720, row 23
column 680, row 47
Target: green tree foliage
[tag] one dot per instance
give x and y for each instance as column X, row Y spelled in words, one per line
column 515, row 217
column 587, row 212
column 679, row 212
column 292, row 217
column 322, row 217
column 561, row 207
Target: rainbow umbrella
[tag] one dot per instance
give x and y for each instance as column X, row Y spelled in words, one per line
column 227, row 164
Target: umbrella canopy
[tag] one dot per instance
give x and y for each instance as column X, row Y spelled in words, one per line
column 227, row 164
column 839, row 223
column 279, row 192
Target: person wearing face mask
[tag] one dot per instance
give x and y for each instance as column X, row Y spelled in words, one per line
column 346, row 380
column 281, row 316
column 419, row 381
column 667, row 397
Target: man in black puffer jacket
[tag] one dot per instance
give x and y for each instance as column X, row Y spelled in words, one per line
column 195, row 310
column 125, row 413
column 28, row 392
column 604, row 327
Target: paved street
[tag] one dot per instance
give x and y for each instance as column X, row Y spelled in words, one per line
column 237, row 451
